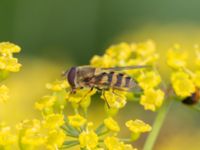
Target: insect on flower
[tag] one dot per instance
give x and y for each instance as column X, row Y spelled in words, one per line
column 193, row 99
column 101, row 79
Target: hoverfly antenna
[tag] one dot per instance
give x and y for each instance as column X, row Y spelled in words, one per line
column 65, row 73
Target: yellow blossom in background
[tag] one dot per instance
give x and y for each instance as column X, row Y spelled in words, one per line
column 88, row 139
column 145, row 49
column 196, row 79
column 102, row 61
column 57, row 85
column 55, row 139
column 176, row 58
column 45, row 102
column 111, row 124
column 115, row 100
column 76, row 120
column 182, row 84
column 6, row 136
column 149, row 80
column 9, row 64
column 152, row 99
column 9, row 48
column 4, row 93
column 31, row 133
column 53, row 121
column 138, row 126
column 7, row 61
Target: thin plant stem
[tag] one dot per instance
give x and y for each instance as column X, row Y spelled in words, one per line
column 161, row 115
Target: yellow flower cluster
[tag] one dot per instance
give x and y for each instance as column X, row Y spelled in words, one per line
column 7, row 61
column 7, row 138
column 47, row 133
column 183, row 80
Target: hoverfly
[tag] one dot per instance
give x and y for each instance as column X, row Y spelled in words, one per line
column 193, row 99
column 100, row 78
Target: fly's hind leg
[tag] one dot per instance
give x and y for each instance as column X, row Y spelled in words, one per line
column 104, row 96
column 86, row 95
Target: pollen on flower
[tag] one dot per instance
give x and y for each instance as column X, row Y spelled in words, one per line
column 182, row 84
column 111, row 124
column 76, row 120
column 152, row 99
column 88, row 139
column 4, row 93
column 138, row 126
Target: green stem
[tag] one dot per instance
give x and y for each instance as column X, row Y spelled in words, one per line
column 162, row 113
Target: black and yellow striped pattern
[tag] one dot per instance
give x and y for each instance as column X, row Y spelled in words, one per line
column 107, row 80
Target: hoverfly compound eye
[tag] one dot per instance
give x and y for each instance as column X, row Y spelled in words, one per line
column 71, row 76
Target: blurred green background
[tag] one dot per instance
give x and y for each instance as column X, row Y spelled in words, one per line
column 57, row 34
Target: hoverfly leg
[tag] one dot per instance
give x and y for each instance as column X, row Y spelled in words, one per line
column 86, row 95
column 104, row 96
column 113, row 91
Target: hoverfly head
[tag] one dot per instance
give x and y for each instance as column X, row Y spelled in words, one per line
column 70, row 75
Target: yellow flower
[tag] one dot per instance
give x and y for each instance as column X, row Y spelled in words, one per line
column 55, row 139
column 4, row 93
column 76, row 120
column 30, row 131
column 80, row 96
column 88, row 139
column 103, row 61
column 9, row 64
column 113, row 143
column 176, row 58
column 182, row 84
column 196, row 79
column 57, row 85
column 8, row 48
column 111, row 124
column 115, row 99
column 6, row 137
column 138, row 126
column 145, row 48
column 45, row 102
column 53, row 121
column 152, row 99
column 149, row 80
column 129, row 147
column 120, row 53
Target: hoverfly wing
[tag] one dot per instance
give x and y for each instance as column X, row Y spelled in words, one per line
column 126, row 68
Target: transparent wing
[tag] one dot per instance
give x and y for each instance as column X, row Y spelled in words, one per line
column 125, row 68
